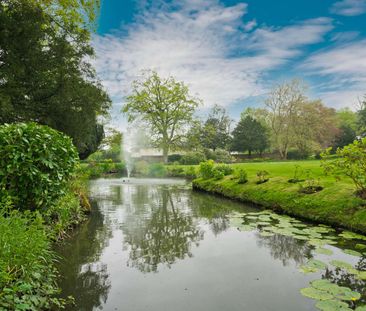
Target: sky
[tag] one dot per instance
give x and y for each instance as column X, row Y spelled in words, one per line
column 230, row 52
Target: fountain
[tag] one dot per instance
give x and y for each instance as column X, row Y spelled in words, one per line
column 127, row 151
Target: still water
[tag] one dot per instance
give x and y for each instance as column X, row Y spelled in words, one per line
column 157, row 245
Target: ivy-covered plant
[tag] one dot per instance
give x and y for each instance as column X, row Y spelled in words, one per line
column 350, row 161
column 35, row 164
column 206, row 169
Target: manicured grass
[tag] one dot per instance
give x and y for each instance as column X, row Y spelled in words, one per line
column 336, row 204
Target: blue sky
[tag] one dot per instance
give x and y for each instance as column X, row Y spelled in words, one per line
column 232, row 52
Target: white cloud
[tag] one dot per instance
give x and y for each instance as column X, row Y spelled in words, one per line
column 209, row 46
column 344, row 66
column 349, row 7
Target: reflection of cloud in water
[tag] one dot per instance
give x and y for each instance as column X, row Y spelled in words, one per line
column 285, row 248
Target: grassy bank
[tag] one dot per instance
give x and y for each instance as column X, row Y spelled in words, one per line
column 28, row 277
column 335, row 205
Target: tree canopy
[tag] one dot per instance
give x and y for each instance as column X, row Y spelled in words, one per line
column 166, row 107
column 45, row 73
column 249, row 135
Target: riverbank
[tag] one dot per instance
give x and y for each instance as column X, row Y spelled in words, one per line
column 28, row 274
column 336, row 204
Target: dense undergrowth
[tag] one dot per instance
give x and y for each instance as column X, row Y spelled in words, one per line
column 42, row 197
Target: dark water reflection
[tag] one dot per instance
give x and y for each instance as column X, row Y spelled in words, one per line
column 156, row 245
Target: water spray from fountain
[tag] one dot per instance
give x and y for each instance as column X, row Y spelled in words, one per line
column 127, row 150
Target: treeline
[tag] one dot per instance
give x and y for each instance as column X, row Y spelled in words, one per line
column 46, row 75
column 290, row 124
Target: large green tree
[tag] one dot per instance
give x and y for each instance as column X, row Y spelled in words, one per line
column 45, row 74
column 249, row 135
column 215, row 132
column 165, row 106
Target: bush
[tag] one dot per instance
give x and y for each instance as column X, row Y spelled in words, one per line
column 190, row 172
column 296, row 154
column 262, row 177
column 141, row 168
column 351, row 162
column 35, row 164
column 157, row 170
column 219, row 155
column 27, row 273
column 192, row 158
column 225, row 169
column 217, row 174
column 242, row 176
column 206, row 169
column 174, row 158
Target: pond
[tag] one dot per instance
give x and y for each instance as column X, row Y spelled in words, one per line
column 157, row 245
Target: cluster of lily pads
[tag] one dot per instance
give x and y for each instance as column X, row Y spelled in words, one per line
column 330, row 296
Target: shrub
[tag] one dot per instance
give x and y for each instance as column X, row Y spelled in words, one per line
column 27, row 273
column 219, row 155
column 225, row 169
column 297, row 175
column 175, row 171
column 174, row 158
column 192, row 158
column 242, row 176
column 217, row 174
column 206, row 169
column 351, row 162
column 141, row 168
column 296, row 154
column 190, row 172
column 311, row 185
column 262, row 177
column 157, row 170
column 35, row 164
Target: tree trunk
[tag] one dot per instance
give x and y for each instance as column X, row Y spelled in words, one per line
column 165, row 154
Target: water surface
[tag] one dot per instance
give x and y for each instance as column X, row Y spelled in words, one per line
column 156, row 245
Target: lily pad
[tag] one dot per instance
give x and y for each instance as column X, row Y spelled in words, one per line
column 324, row 251
column 266, row 234
column 316, row 264
column 332, row 305
column 346, row 293
column 360, row 246
column 307, row 269
column 352, row 252
column 351, row 235
column 322, row 284
column 314, row 293
column 341, row 264
column 361, row 308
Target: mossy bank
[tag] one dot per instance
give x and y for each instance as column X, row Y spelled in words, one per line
column 336, row 205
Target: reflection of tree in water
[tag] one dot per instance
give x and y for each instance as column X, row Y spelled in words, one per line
column 214, row 209
column 164, row 233
column 82, row 276
column 286, row 248
column 342, row 278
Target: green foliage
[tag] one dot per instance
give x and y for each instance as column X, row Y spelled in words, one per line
column 242, row 176
column 175, row 158
column 217, row 174
column 250, row 135
column 262, row 176
column 165, row 105
column 215, row 132
column 218, row 155
column 27, row 274
column 141, row 168
column 296, row 154
column 298, row 172
column 351, row 162
column 35, row 164
column 157, row 170
column 192, row 158
column 224, row 168
column 311, row 184
column 46, row 73
column 345, row 137
column 206, row 169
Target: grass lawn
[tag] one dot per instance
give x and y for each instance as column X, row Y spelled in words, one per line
column 336, row 204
